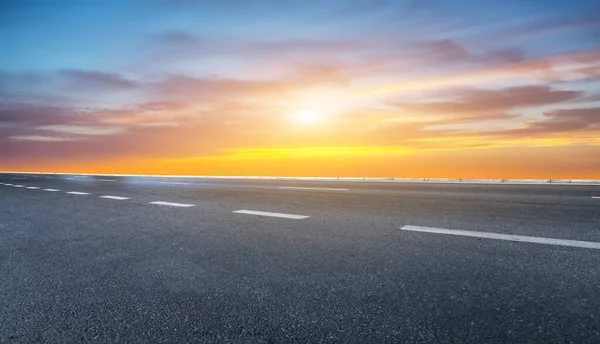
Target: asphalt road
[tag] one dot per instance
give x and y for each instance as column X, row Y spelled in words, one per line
column 322, row 262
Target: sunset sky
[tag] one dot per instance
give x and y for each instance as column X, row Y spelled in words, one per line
column 374, row 88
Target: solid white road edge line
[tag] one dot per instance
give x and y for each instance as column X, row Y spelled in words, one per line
column 51, row 190
column 183, row 205
column 78, row 193
column 508, row 237
column 115, row 197
column 264, row 213
column 306, row 188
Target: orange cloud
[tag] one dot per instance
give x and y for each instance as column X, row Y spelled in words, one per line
column 565, row 67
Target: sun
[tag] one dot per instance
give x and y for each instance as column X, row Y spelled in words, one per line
column 305, row 117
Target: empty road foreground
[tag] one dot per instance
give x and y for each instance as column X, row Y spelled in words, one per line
column 145, row 260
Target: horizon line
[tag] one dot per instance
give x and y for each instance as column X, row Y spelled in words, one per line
column 341, row 179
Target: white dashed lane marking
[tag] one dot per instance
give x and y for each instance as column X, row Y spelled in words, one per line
column 115, row 197
column 264, row 213
column 183, row 205
column 106, row 180
column 596, row 197
column 175, row 183
column 51, row 190
column 32, row 187
column 306, row 188
column 507, row 237
column 77, row 193
column 19, row 186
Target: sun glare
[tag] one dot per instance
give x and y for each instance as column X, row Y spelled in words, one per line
column 305, row 117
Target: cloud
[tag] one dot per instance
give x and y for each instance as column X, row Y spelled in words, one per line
column 363, row 53
column 554, row 127
column 96, row 80
column 31, row 123
column 492, row 101
column 40, row 138
column 178, row 38
column 67, row 88
column 157, row 129
column 586, row 115
column 444, row 50
column 25, row 115
column 565, row 121
column 585, row 21
column 476, row 118
column 180, row 88
column 556, row 68
column 162, row 106
column 84, row 130
column 179, row 45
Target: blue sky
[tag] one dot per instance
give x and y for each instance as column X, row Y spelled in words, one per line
column 106, row 34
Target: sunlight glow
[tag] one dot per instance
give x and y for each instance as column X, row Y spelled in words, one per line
column 306, row 117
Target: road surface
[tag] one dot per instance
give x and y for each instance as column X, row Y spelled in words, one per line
column 133, row 259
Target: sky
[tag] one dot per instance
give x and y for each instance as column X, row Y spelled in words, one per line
column 373, row 88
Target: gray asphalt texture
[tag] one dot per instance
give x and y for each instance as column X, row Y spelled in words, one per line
column 80, row 268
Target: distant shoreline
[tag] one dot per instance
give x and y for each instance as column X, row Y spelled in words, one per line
column 347, row 179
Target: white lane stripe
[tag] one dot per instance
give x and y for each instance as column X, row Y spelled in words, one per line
column 8, row 184
column 77, row 193
column 51, row 190
column 508, row 237
column 32, row 187
column 305, row 188
column 595, row 196
column 175, row 183
column 183, row 205
column 106, row 180
column 19, row 186
column 115, row 197
column 264, row 213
